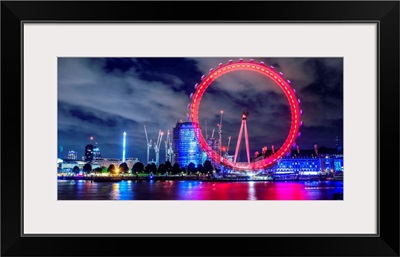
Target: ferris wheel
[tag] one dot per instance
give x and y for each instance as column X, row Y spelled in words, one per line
column 278, row 79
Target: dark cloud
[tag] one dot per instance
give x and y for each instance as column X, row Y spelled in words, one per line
column 103, row 97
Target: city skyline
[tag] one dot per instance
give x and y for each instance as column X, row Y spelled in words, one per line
column 105, row 97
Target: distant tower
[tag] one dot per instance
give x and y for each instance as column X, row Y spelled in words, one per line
column 89, row 150
column 123, row 147
column 243, row 126
column 89, row 153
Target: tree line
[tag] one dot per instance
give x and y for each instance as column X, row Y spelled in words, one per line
column 150, row 168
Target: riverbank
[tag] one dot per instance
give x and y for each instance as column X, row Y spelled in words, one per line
column 192, row 178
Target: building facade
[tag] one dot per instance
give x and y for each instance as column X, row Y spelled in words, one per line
column 72, row 155
column 67, row 165
column 185, row 146
column 89, row 153
column 96, row 153
column 309, row 161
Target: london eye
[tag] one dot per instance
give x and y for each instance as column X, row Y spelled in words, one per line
column 279, row 80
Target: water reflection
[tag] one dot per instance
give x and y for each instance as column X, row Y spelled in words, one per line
column 197, row 190
column 252, row 191
column 115, row 195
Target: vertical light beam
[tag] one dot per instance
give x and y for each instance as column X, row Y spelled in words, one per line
column 123, row 147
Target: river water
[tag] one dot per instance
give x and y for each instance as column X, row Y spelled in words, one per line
column 198, row 190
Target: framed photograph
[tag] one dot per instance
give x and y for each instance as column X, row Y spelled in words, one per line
column 233, row 128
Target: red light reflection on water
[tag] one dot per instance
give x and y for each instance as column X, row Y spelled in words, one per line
column 243, row 191
column 198, row 190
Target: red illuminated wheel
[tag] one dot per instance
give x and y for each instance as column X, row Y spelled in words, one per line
column 269, row 72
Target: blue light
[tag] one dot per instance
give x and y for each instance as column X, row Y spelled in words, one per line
column 186, row 146
column 123, row 147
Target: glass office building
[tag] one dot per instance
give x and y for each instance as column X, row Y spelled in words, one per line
column 185, row 147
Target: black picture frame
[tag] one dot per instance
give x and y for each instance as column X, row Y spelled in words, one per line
column 384, row 243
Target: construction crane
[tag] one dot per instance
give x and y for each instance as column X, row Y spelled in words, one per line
column 157, row 146
column 227, row 148
column 148, row 145
column 212, row 142
column 167, row 144
column 205, row 121
column 220, row 134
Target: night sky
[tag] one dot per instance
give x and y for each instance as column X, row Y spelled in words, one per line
column 103, row 97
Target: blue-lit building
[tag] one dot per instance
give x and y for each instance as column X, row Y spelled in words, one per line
column 298, row 165
column 185, row 147
column 72, row 155
column 309, row 161
column 96, row 153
